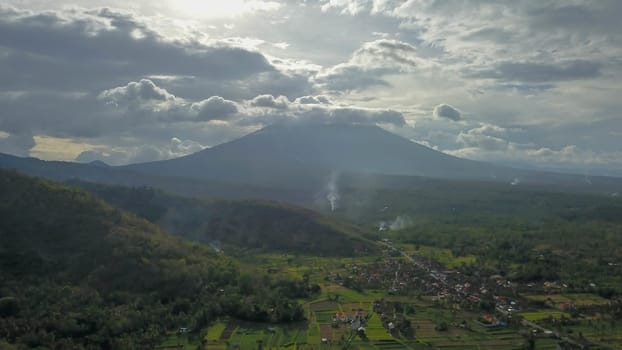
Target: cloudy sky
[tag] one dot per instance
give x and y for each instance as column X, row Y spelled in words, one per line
column 536, row 83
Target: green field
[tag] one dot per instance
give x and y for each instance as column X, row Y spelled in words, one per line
column 215, row 331
column 177, row 342
column 427, row 314
column 541, row 315
column 442, row 255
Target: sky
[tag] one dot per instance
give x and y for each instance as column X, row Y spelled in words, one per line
column 527, row 83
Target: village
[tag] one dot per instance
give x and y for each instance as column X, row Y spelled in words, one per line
column 499, row 302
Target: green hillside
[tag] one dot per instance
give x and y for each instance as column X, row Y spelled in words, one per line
column 262, row 225
column 76, row 273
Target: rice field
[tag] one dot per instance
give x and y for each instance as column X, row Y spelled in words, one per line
column 425, row 318
column 542, row 315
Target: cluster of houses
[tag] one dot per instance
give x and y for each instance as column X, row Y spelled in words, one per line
column 496, row 297
column 396, row 276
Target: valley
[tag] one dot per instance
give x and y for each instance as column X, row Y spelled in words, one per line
column 185, row 258
column 412, row 302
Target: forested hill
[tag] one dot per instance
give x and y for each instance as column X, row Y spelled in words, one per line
column 76, row 273
column 262, row 225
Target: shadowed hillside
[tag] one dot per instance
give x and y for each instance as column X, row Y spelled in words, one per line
column 77, row 273
column 250, row 224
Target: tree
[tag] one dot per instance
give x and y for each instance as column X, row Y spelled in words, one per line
column 9, row 306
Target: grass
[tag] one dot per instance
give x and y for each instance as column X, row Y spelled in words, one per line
column 441, row 255
column 313, row 333
column 214, row 331
column 375, row 331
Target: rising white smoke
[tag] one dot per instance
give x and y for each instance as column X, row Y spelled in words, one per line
column 515, row 182
column 587, row 180
column 401, row 222
column 333, row 191
column 383, row 226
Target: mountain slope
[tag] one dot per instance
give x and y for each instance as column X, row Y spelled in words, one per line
column 255, row 224
column 292, row 154
column 303, row 156
column 77, row 273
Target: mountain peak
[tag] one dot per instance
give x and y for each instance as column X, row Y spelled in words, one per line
column 99, row 163
column 302, row 152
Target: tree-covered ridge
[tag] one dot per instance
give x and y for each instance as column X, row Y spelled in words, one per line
column 76, row 273
column 246, row 223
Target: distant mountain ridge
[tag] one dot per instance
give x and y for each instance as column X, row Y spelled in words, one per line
column 296, row 155
column 279, row 153
column 295, row 161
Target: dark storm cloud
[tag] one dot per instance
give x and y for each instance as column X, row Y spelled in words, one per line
column 83, row 74
column 19, row 144
column 446, row 111
column 55, row 114
column 98, row 48
column 535, row 72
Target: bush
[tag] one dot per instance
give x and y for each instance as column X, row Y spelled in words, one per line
column 9, row 306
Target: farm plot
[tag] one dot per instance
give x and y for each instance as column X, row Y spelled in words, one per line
column 215, row 331
column 324, row 317
column 326, row 332
column 326, row 305
column 359, row 308
column 250, row 335
column 375, row 331
column 542, row 315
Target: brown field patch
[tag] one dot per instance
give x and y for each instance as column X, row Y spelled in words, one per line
column 355, row 309
column 325, row 305
column 326, row 331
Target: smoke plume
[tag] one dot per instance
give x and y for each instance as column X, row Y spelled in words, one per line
column 400, row 223
column 333, row 191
